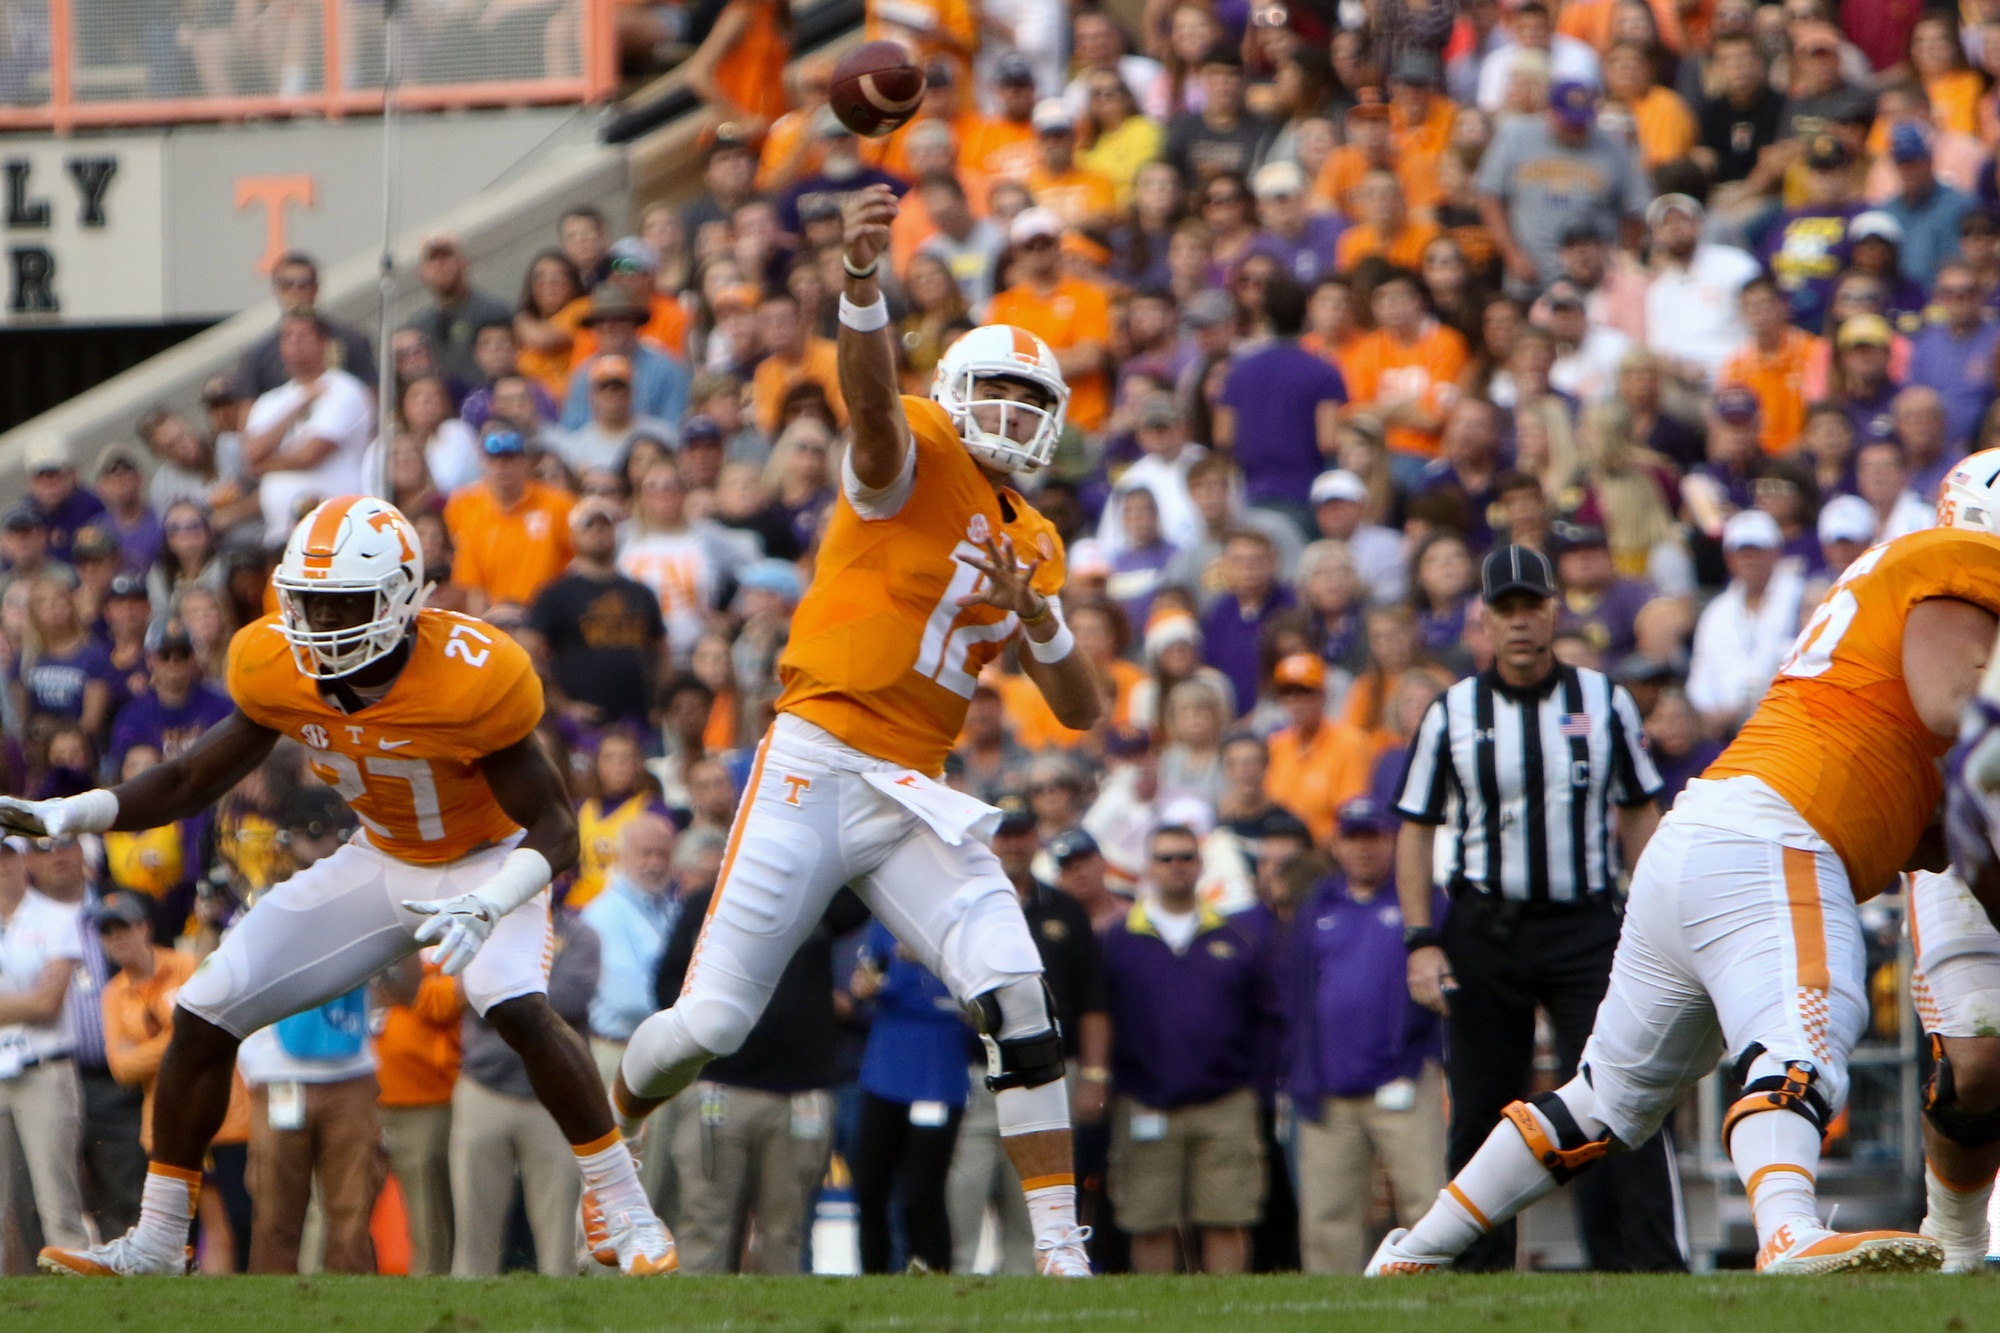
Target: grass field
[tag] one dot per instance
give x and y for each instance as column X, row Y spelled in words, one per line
column 960, row 1305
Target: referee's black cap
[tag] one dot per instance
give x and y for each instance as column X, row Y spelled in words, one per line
column 1516, row 569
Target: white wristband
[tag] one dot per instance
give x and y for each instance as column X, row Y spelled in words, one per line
column 864, row 318
column 521, row 876
column 1057, row 648
column 87, row 812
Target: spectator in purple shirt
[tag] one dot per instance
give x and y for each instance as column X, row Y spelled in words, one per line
column 178, row 708
column 1363, row 1058
column 1861, row 354
column 1597, row 602
column 1135, row 570
column 121, row 490
column 1301, row 241
column 53, row 493
column 1279, row 410
column 1468, row 465
column 1921, row 428
column 1674, row 739
column 1192, row 1003
column 1233, row 626
column 1957, row 355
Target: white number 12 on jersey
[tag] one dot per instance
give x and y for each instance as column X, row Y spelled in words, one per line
column 946, row 650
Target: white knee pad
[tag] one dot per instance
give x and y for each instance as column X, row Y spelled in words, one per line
column 1024, row 1008
column 1036, row 1110
column 669, row 1048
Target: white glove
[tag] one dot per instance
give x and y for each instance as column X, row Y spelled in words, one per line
column 458, row 926
column 88, row 812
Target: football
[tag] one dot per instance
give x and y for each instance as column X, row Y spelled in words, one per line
column 875, row 89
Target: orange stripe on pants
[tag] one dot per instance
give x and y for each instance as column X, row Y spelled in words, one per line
column 729, row 856
column 1808, row 921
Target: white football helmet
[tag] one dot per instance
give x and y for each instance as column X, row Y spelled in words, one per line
column 350, row 544
column 1970, row 496
column 1001, row 351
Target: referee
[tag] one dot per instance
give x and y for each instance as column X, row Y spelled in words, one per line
column 1521, row 765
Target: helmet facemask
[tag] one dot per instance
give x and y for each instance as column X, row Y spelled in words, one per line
column 332, row 654
column 991, row 427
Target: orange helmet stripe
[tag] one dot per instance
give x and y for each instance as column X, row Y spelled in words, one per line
column 325, row 530
column 1024, row 345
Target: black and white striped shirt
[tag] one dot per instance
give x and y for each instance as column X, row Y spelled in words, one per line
column 1525, row 779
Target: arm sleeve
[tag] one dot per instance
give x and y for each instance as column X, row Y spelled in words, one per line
column 1427, row 780
column 513, row 704
column 1634, row 777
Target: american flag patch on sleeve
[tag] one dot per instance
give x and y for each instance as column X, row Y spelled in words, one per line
column 1574, row 724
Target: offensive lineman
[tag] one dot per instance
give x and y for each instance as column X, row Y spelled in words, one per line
column 918, row 587
column 1742, row 934
column 424, row 722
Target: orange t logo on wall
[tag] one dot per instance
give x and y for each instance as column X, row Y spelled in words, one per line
column 272, row 193
column 797, row 785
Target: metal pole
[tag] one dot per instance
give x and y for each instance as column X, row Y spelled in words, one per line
column 385, row 369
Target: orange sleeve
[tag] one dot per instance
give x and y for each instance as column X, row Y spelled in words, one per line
column 767, row 396
column 1355, row 244
column 1362, row 367
column 510, row 703
column 1093, row 315
column 1448, row 362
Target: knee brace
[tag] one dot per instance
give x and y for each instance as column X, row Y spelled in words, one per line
column 1970, row 1129
column 1792, row 1091
column 1023, row 1041
column 1572, row 1151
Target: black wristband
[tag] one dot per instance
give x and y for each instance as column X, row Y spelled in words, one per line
column 1420, row 937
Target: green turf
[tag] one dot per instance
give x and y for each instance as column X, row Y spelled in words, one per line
column 1146, row 1305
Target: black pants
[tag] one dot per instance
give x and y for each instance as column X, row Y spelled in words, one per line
column 114, row 1165
column 889, row 1149
column 231, row 1161
column 1627, row 1206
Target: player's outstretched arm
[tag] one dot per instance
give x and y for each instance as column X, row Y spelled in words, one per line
column 867, row 347
column 1060, row 671
column 526, row 783
column 181, row 787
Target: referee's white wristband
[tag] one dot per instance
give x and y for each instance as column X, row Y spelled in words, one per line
column 864, row 318
column 1057, row 648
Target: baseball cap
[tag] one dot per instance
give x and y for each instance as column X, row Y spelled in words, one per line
column 1071, row 844
column 1369, row 104
column 1825, row 152
column 1567, row 537
column 22, row 518
column 609, row 302
column 93, row 543
column 1877, row 224
column 1865, row 331
column 1364, row 814
column 1013, row 71
column 1015, row 815
column 1573, row 102
column 168, row 635
column 1909, row 143
column 219, row 389
column 1416, row 68
column 772, row 575
column 632, row 252
column 503, row 442
column 1657, row 211
column 121, row 907
column 701, row 428
column 1159, row 409
column 1299, row 671
column 45, row 455
column 1580, row 233
column 737, row 295
column 114, row 456
column 1339, row 484
column 1847, row 518
column 1277, row 179
column 1088, row 559
column 315, row 812
column 1515, row 569
column 1751, row 527
column 1052, row 115
column 592, row 507
column 1031, row 223
column 1562, row 294
column 1167, row 630
column 610, row 370
column 127, row 585
column 1736, row 404
column 1209, row 309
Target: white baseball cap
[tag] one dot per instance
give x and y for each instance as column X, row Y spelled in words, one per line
column 1032, row 222
column 1878, row 223
column 1339, row 484
column 1189, row 812
column 1847, row 518
column 1275, row 179
column 1088, row 560
column 1751, row 527
column 1052, row 113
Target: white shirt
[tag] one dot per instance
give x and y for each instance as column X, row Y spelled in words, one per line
column 1692, row 313
column 679, row 566
column 41, row 929
column 1591, row 371
column 453, row 457
column 1166, row 478
column 1040, row 27
column 1176, row 928
column 1909, row 514
column 342, row 414
column 1736, row 653
column 1568, row 59
column 262, row 1059
column 1378, row 558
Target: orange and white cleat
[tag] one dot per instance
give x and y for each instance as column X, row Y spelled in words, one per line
column 640, row 1245
column 597, row 1231
column 1393, row 1259
column 1064, row 1255
column 122, row 1257
column 1805, row 1248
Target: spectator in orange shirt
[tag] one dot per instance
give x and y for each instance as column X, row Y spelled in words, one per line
column 1003, row 146
column 416, row 1062
column 1420, row 119
column 1073, row 317
column 633, row 268
column 792, row 357
column 1370, row 147
column 1385, row 227
column 510, row 532
column 1316, row 763
column 1773, row 363
column 1331, row 329
column 139, row 1001
column 1079, row 196
column 1662, row 125
column 791, row 149
column 739, row 69
column 1406, row 372
column 547, row 319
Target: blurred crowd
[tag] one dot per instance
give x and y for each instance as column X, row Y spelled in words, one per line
column 1697, row 297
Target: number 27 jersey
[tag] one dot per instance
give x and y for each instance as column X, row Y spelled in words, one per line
column 408, row 764
column 881, row 654
column 1837, row 735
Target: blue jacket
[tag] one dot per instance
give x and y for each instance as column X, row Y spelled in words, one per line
column 633, row 927
column 1186, row 1028
column 1350, row 1024
column 919, row 1045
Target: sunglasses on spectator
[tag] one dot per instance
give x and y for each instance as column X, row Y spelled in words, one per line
column 1174, row 858
column 187, row 525
column 1956, row 293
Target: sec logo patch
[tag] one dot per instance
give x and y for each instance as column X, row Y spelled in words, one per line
column 978, row 530
column 314, row 735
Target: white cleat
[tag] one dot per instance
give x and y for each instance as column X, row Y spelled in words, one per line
column 1807, row 1248
column 1964, row 1253
column 122, row 1257
column 1064, row 1255
column 1393, row 1259
column 596, row 1231
column 641, row 1245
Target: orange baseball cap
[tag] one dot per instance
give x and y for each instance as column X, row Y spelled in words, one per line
column 610, row 370
column 1299, row 671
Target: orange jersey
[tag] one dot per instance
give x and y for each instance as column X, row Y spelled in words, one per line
column 997, row 147
column 1315, row 779
column 1346, row 165
column 1080, row 197
column 511, row 554
column 408, row 764
column 1405, row 249
column 1381, row 365
column 881, row 653
column 1075, row 312
column 1779, row 381
column 751, row 73
column 1837, row 736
